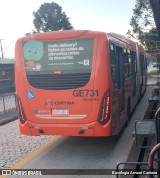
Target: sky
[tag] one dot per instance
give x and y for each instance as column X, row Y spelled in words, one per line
column 16, row 17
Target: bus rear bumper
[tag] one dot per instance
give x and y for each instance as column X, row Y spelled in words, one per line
column 91, row 129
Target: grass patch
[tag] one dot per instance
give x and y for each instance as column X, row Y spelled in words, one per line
column 154, row 72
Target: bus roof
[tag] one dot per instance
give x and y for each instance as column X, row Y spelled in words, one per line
column 57, row 35
column 125, row 40
column 71, row 34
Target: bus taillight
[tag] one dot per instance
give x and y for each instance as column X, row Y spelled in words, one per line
column 21, row 114
column 104, row 115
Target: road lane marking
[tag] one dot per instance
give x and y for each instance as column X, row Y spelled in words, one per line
column 35, row 153
column 32, row 155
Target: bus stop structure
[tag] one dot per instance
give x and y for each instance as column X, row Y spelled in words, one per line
column 148, row 128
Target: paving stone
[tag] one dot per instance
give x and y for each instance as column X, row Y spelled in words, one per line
column 14, row 147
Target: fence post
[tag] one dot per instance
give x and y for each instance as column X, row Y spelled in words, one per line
column 4, row 105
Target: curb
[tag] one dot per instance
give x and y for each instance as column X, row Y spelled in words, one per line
column 9, row 119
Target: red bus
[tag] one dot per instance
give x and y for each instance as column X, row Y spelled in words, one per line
column 77, row 83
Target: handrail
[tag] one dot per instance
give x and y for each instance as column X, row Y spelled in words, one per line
column 128, row 163
column 157, row 121
column 151, row 158
column 156, row 149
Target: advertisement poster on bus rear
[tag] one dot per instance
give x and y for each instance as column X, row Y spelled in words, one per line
column 58, row 55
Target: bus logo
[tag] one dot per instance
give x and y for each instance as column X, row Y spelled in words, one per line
column 48, row 103
column 30, row 94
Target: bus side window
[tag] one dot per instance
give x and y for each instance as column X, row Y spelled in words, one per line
column 126, row 63
column 141, row 63
column 120, row 66
column 144, row 63
column 133, row 66
column 133, row 63
column 129, row 63
column 113, row 63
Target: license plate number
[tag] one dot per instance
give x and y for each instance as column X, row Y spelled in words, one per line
column 60, row 112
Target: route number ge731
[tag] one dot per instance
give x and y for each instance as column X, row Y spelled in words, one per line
column 85, row 93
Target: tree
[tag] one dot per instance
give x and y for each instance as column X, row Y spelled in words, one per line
column 50, row 17
column 152, row 40
column 152, row 43
column 142, row 19
column 144, row 28
column 30, row 33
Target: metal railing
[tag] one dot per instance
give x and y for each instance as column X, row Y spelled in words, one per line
column 151, row 159
column 7, row 103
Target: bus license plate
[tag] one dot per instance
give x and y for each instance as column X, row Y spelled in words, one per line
column 60, row 112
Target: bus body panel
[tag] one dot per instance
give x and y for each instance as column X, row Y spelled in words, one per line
column 74, row 99
column 91, row 129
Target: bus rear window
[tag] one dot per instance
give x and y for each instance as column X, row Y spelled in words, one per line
column 67, row 56
column 44, row 60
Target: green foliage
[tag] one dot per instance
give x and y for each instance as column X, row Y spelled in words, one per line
column 150, row 58
column 152, row 40
column 30, row 33
column 152, row 44
column 144, row 28
column 142, row 11
column 50, row 17
column 142, row 19
column 154, row 72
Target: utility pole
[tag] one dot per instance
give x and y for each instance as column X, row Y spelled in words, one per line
column 1, row 48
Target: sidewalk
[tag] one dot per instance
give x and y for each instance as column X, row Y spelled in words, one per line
column 152, row 79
